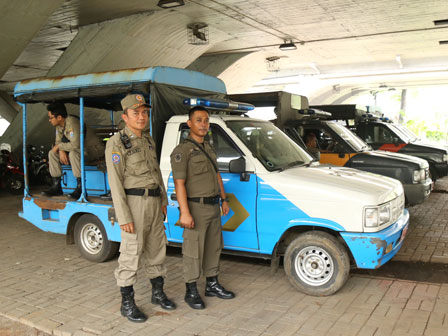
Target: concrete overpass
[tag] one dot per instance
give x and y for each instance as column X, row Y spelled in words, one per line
column 342, row 47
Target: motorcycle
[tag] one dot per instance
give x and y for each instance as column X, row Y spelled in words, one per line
column 12, row 178
column 38, row 170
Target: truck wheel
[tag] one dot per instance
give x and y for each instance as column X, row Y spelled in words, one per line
column 316, row 263
column 91, row 239
column 15, row 184
column 432, row 174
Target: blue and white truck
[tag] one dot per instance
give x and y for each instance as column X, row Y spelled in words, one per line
column 322, row 220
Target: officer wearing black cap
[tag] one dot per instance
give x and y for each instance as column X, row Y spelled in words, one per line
column 200, row 190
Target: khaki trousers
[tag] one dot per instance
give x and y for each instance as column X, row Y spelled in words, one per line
column 147, row 244
column 202, row 245
column 93, row 153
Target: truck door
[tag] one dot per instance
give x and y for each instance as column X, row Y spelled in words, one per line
column 239, row 226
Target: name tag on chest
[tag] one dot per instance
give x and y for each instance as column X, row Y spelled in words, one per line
column 133, row 151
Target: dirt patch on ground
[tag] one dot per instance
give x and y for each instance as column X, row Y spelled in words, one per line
column 12, row 328
column 413, row 271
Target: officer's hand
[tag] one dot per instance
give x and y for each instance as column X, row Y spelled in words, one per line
column 225, row 208
column 129, row 227
column 63, row 157
column 186, row 221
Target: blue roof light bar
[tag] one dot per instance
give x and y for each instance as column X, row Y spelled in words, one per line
column 226, row 105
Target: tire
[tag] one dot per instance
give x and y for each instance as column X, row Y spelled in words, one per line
column 432, row 174
column 15, row 184
column 91, row 239
column 316, row 263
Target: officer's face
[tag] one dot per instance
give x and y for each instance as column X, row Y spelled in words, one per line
column 54, row 121
column 199, row 123
column 136, row 119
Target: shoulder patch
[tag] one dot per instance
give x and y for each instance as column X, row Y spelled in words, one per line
column 116, row 157
column 71, row 134
column 178, row 157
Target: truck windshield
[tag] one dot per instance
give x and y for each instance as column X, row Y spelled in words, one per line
column 405, row 132
column 269, row 145
column 348, row 136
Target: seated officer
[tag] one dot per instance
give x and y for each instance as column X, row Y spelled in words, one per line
column 67, row 148
column 311, row 145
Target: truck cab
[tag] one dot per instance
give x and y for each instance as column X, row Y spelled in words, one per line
column 323, row 220
column 382, row 134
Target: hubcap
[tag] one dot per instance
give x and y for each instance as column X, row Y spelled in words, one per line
column 15, row 184
column 314, row 266
column 91, row 238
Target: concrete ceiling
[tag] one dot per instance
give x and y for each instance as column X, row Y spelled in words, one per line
column 381, row 42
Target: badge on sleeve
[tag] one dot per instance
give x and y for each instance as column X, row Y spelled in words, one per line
column 116, row 158
column 177, row 157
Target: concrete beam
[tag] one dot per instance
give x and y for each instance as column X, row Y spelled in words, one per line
column 147, row 39
column 19, row 22
column 215, row 65
column 245, row 72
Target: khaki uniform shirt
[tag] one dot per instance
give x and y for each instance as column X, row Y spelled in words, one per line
column 71, row 130
column 189, row 163
column 136, row 167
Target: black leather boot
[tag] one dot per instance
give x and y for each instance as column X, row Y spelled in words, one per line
column 55, row 189
column 78, row 190
column 128, row 306
column 158, row 295
column 214, row 288
column 192, row 296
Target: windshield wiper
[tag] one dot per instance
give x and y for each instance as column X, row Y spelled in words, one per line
column 313, row 160
column 291, row 164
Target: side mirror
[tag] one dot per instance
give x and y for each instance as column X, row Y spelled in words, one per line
column 237, row 166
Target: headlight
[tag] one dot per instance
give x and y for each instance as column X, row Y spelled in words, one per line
column 374, row 217
column 371, row 217
column 419, row 175
column 384, row 213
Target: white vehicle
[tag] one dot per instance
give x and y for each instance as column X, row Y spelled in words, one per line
column 321, row 219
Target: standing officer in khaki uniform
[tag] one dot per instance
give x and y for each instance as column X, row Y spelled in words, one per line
column 68, row 141
column 199, row 189
column 140, row 202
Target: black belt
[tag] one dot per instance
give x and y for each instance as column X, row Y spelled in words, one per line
column 205, row 200
column 143, row 192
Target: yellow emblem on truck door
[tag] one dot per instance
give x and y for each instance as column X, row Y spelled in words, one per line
column 239, row 214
